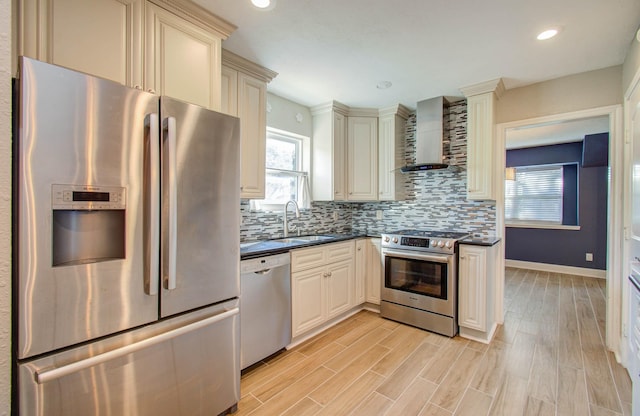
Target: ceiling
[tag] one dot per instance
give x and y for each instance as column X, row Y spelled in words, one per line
column 341, row 49
column 556, row 132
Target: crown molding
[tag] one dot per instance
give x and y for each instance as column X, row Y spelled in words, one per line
column 237, row 62
column 363, row 112
column 192, row 12
column 398, row 110
column 495, row 85
column 330, row 106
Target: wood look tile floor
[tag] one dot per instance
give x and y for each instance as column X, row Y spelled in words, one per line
column 548, row 358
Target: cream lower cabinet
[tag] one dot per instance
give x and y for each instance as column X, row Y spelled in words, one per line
column 476, row 286
column 374, row 275
column 322, row 284
column 361, row 271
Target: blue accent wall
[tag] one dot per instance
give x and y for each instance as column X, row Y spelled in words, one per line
column 565, row 247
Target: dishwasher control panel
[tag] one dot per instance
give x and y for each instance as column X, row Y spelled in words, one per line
column 264, row 263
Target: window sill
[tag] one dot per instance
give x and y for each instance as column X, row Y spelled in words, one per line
column 542, row 226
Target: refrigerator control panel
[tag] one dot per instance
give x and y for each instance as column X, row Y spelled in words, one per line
column 87, row 197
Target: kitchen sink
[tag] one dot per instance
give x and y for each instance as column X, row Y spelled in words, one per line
column 304, row 238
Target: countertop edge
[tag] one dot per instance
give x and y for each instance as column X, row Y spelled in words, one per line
column 475, row 241
column 286, row 247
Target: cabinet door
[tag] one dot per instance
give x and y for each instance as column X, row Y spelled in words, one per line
column 229, row 91
column 361, row 271
column 481, row 170
column 340, row 277
column 252, row 110
column 374, row 271
column 362, row 159
column 339, row 159
column 182, row 59
column 98, row 37
column 472, row 293
column 308, row 300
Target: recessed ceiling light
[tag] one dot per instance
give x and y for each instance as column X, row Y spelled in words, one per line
column 383, row 85
column 262, row 4
column 547, row 34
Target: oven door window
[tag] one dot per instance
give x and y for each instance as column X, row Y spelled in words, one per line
column 416, row 276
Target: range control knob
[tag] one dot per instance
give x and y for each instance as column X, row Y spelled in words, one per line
column 447, row 244
column 395, row 240
column 440, row 243
column 434, row 243
column 386, row 239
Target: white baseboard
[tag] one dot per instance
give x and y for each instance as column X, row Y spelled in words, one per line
column 556, row 268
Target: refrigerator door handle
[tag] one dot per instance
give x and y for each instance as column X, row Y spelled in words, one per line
column 170, row 278
column 153, row 250
column 50, row 375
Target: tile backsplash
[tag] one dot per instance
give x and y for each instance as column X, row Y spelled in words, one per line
column 436, row 199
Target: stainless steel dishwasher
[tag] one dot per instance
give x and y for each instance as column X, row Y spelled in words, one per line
column 265, row 307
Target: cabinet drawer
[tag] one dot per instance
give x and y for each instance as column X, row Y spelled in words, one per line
column 340, row 251
column 306, row 258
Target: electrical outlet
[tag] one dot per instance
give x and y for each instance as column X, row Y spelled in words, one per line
column 379, row 214
column 335, row 215
column 588, row 257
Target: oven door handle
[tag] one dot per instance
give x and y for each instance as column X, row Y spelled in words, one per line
column 427, row 257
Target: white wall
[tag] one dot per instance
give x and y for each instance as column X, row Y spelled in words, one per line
column 283, row 114
column 5, row 207
column 599, row 88
column 631, row 63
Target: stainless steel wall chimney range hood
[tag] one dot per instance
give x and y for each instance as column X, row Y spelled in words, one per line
column 429, row 133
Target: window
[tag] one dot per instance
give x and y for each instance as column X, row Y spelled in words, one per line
column 536, row 195
column 285, row 178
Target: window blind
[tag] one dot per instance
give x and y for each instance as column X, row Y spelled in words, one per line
column 535, row 195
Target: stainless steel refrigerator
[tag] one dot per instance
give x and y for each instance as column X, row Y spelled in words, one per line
column 126, row 267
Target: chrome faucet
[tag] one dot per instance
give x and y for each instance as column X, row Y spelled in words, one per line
column 286, row 222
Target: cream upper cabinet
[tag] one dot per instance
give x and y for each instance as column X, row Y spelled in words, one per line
column 391, row 152
column 328, row 180
column 244, row 94
column 476, row 285
column 170, row 47
column 482, row 170
column 183, row 59
column 374, row 275
column 98, row 37
column 362, row 158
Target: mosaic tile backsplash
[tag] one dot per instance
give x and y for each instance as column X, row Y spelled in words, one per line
column 436, row 199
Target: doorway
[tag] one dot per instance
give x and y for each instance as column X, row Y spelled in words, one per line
column 615, row 258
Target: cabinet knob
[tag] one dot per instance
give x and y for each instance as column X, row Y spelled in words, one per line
column 138, row 87
column 151, row 90
column 462, row 257
column 359, row 248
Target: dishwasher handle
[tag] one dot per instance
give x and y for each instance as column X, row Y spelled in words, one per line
column 263, row 272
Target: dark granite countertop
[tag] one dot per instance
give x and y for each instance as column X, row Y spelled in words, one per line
column 271, row 247
column 480, row 241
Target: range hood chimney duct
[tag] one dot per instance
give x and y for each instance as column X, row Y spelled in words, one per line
column 429, row 133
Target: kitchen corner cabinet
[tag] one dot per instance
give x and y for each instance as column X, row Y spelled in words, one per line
column 168, row 47
column 244, row 95
column 329, row 152
column 360, row 271
column 362, row 158
column 391, row 149
column 322, row 284
column 476, row 287
column 374, row 271
column 482, row 172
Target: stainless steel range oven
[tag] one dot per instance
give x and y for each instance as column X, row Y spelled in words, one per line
column 420, row 279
